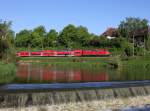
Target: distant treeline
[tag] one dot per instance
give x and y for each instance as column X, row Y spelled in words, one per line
column 71, row 37
column 74, row 37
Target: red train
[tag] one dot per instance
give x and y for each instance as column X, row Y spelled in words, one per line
column 58, row 53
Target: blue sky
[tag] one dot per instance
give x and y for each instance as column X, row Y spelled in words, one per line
column 96, row 15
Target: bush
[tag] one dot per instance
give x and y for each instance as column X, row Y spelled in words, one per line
column 128, row 50
column 7, row 72
column 139, row 51
column 9, row 56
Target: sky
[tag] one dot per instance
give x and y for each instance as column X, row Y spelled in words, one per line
column 96, row 15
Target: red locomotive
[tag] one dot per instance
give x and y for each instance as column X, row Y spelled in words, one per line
column 58, row 53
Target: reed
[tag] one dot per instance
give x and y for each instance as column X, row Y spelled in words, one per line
column 7, row 72
column 65, row 59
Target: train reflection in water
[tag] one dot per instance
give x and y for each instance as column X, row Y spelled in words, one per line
column 37, row 73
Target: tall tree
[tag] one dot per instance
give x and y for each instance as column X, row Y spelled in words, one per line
column 74, row 37
column 83, row 36
column 51, row 38
column 38, row 36
column 23, row 38
column 131, row 25
column 6, row 36
column 67, row 36
column 95, row 41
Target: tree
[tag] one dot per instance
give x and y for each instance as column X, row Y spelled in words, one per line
column 129, row 26
column 67, row 36
column 83, row 36
column 117, row 42
column 99, row 42
column 23, row 38
column 74, row 37
column 38, row 36
column 136, row 30
column 6, row 36
column 95, row 41
column 51, row 38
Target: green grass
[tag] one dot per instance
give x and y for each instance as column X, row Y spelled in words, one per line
column 137, row 61
column 94, row 62
column 66, row 59
column 7, row 72
column 74, row 62
column 73, row 65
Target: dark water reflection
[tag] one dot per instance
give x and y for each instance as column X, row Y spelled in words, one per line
column 29, row 73
column 41, row 73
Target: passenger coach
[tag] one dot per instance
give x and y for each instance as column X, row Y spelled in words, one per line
column 60, row 53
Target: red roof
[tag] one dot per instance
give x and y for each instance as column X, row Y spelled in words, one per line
column 112, row 32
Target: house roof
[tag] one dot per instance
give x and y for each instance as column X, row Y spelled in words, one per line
column 112, row 32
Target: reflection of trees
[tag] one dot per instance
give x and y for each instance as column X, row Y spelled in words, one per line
column 132, row 73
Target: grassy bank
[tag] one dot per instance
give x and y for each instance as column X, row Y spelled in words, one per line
column 75, row 62
column 7, row 72
column 65, row 59
column 137, row 61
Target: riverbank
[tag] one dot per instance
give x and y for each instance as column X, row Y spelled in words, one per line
column 73, row 68
column 7, row 72
column 97, row 105
column 125, row 60
column 65, row 59
column 99, row 62
column 64, row 62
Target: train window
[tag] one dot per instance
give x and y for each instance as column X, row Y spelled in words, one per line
column 77, row 52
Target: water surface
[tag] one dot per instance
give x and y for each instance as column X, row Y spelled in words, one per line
column 39, row 73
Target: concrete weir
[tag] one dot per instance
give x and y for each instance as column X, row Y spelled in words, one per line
column 22, row 95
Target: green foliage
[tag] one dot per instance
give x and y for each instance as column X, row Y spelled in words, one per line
column 23, row 38
column 128, row 49
column 38, row 36
column 99, row 42
column 72, row 37
column 115, row 62
column 117, row 42
column 129, row 26
column 138, row 61
column 94, row 41
column 78, row 37
column 134, row 27
column 65, row 59
column 6, row 37
column 7, row 73
column 10, row 56
column 139, row 51
column 82, row 36
column 51, row 38
column 104, row 42
column 67, row 36
column 148, row 42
